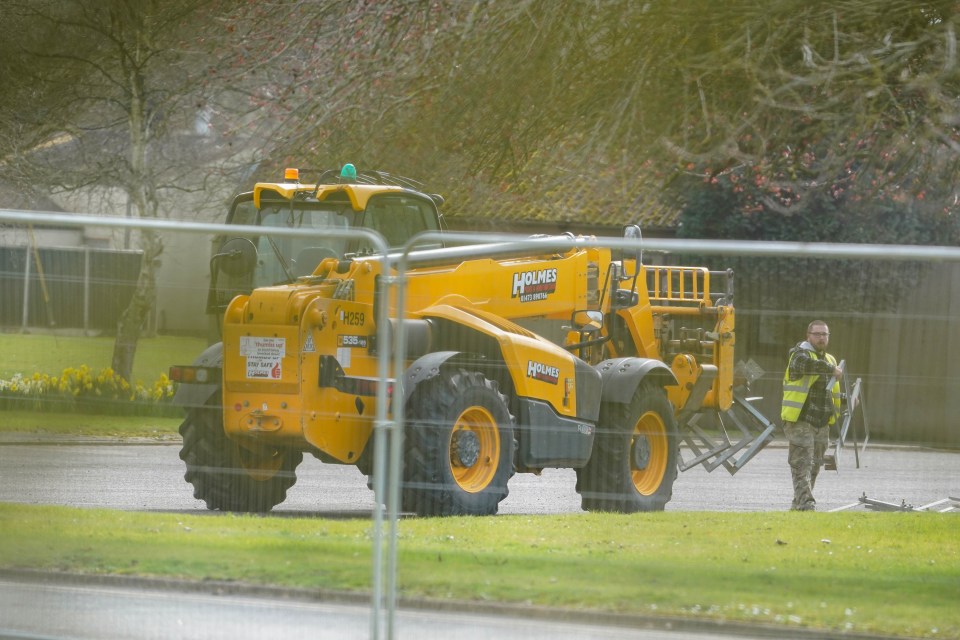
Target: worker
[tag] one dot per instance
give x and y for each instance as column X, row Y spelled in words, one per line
column 811, row 403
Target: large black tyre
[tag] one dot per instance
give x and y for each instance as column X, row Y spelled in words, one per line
column 634, row 461
column 229, row 477
column 458, row 446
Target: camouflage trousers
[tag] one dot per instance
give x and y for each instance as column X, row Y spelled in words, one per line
column 807, row 446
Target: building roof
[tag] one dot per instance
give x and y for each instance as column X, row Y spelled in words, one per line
column 581, row 203
column 14, row 196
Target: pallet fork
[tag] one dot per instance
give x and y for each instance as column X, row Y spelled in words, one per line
column 715, row 448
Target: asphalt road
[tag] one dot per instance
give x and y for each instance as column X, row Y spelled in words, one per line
column 48, row 610
column 150, row 478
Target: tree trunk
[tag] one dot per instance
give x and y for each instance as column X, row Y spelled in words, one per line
column 141, row 304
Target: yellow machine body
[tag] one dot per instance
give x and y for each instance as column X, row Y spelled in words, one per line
column 300, row 361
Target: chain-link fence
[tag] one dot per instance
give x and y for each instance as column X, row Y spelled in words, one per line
column 523, row 341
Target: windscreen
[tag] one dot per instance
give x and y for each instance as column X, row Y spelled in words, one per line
column 283, row 258
column 398, row 218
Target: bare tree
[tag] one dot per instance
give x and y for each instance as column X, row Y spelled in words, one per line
column 322, row 81
column 515, row 107
column 111, row 96
column 539, row 109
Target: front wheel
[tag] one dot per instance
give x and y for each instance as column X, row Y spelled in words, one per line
column 458, row 446
column 634, row 461
column 229, row 477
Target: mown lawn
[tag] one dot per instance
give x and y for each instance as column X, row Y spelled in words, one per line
column 88, row 424
column 890, row 573
column 28, row 353
column 31, row 355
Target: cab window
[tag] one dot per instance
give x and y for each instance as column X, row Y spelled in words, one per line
column 398, row 218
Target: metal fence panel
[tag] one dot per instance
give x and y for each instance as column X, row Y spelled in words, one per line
column 66, row 287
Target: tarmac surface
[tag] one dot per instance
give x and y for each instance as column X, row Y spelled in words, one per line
column 44, row 606
column 148, row 475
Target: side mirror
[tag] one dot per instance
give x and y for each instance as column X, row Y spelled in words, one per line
column 587, row 321
column 237, row 257
column 632, row 257
column 231, row 273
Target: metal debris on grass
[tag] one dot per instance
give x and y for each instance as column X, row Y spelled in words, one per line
column 944, row 505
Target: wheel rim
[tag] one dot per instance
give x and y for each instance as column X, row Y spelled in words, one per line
column 260, row 466
column 474, row 449
column 649, row 451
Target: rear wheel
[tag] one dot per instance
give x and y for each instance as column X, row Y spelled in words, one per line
column 229, row 477
column 634, row 461
column 458, row 446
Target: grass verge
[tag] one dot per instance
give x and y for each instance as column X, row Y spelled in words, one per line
column 87, row 424
column 890, row 573
column 51, row 354
column 28, row 354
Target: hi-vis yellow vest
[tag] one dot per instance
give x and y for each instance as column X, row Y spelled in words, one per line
column 795, row 392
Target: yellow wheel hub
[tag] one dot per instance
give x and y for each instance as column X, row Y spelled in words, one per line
column 474, row 449
column 649, row 452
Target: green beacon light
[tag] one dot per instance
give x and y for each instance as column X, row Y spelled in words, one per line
column 349, row 172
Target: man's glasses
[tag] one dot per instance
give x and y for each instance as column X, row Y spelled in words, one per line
column 819, row 334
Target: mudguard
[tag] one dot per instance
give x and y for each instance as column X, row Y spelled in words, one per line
column 190, row 395
column 424, row 368
column 622, row 376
